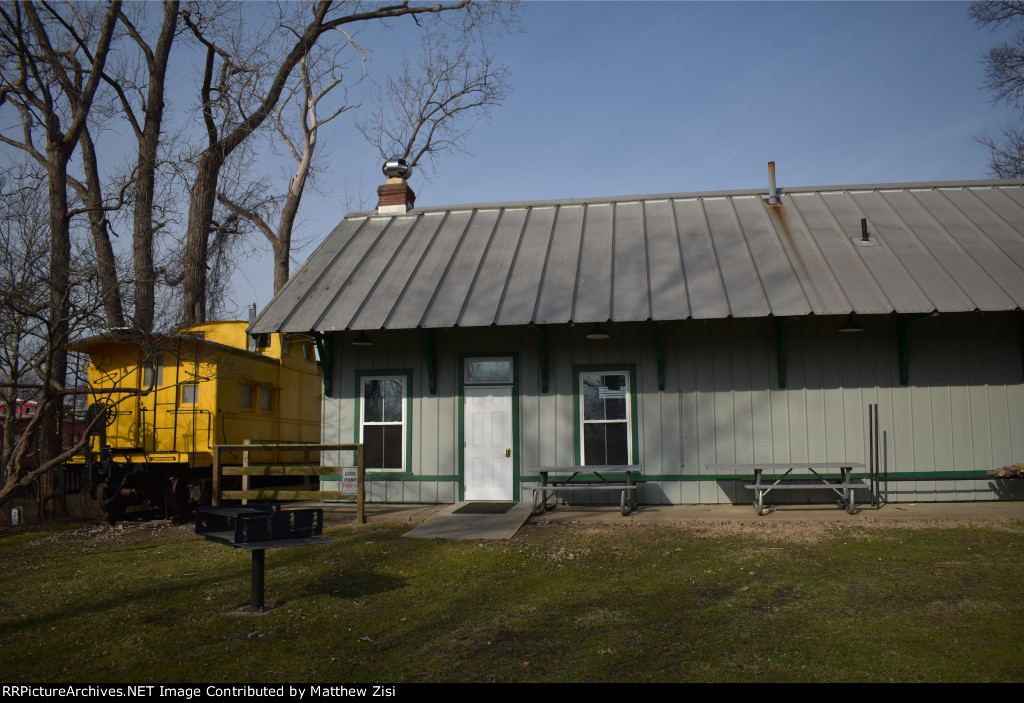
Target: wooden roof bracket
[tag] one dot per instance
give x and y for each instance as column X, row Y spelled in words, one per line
column 1020, row 339
column 903, row 326
column 659, row 328
column 542, row 355
column 781, row 347
column 430, row 353
column 325, row 349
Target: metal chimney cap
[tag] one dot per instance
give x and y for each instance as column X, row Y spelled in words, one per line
column 397, row 168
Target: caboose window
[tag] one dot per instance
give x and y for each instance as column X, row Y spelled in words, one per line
column 246, row 396
column 153, row 373
column 266, row 399
column 383, row 415
column 188, row 393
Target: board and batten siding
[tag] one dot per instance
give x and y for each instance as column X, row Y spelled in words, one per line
column 722, row 404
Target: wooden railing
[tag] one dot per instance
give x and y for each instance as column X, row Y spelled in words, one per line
column 304, row 468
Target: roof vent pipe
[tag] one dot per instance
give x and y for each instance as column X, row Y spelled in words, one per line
column 864, row 236
column 773, row 196
column 395, row 196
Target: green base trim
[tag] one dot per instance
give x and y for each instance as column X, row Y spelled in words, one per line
column 979, row 474
column 372, row 476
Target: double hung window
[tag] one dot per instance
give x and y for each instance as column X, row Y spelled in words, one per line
column 382, row 417
column 605, row 418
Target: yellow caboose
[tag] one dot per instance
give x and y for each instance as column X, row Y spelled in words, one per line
column 167, row 399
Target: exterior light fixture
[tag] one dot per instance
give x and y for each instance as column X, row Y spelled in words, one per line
column 851, row 325
column 597, row 332
column 362, row 341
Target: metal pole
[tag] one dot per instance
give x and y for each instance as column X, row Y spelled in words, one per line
column 878, row 461
column 871, row 453
column 258, row 565
column 215, row 499
column 361, row 487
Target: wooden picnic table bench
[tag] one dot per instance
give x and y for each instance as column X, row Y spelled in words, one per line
column 586, row 478
column 842, row 486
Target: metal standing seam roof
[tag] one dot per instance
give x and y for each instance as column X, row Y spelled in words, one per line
column 946, row 247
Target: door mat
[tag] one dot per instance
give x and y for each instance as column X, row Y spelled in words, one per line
column 483, row 509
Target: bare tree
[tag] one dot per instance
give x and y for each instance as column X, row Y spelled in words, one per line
column 1004, row 78
column 320, row 73
column 30, row 333
column 429, row 110
column 52, row 82
column 223, row 68
column 143, row 104
column 425, row 111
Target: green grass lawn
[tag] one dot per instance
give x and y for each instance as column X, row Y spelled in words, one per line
column 557, row 603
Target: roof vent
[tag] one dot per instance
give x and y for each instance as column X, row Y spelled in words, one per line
column 773, row 195
column 395, row 196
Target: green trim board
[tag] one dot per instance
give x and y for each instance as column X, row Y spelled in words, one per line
column 630, row 369
column 514, row 356
column 399, row 476
column 407, row 429
column 977, row 475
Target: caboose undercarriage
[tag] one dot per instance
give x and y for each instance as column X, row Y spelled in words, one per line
column 126, row 479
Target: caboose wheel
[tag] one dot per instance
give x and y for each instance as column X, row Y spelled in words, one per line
column 181, row 492
column 114, row 508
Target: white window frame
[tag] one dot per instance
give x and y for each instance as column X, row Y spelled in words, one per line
column 628, row 421
column 382, row 423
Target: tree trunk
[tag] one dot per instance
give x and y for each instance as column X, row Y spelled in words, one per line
column 145, row 183
column 60, row 286
column 200, row 222
column 110, row 289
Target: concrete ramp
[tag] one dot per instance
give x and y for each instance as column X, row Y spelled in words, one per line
column 474, row 520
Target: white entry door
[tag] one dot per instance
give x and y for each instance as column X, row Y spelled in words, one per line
column 487, row 455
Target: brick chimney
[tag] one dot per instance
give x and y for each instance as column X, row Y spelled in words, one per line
column 395, row 196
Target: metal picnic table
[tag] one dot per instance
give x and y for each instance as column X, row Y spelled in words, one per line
column 600, row 482
column 843, row 488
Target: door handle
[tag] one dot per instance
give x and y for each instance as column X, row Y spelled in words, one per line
column 508, row 451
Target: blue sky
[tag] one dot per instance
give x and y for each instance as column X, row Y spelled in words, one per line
column 616, row 98
column 619, row 98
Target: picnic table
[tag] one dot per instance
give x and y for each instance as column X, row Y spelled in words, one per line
column 842, row 486
column 586, row 478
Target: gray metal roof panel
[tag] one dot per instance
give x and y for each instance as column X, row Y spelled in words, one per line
column 630, row 300
column 522, row 290
column 743, row 288
column 935, row 246
column 492, row 275
column 595, row 278
column 780, row 284
column 668, row 297
column 701, row 272
column 558, row 286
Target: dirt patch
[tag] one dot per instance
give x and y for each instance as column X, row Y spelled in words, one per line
column 121, row 533
column 789, row 531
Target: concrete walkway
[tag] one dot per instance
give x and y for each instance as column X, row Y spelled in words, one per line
column 344, row 513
